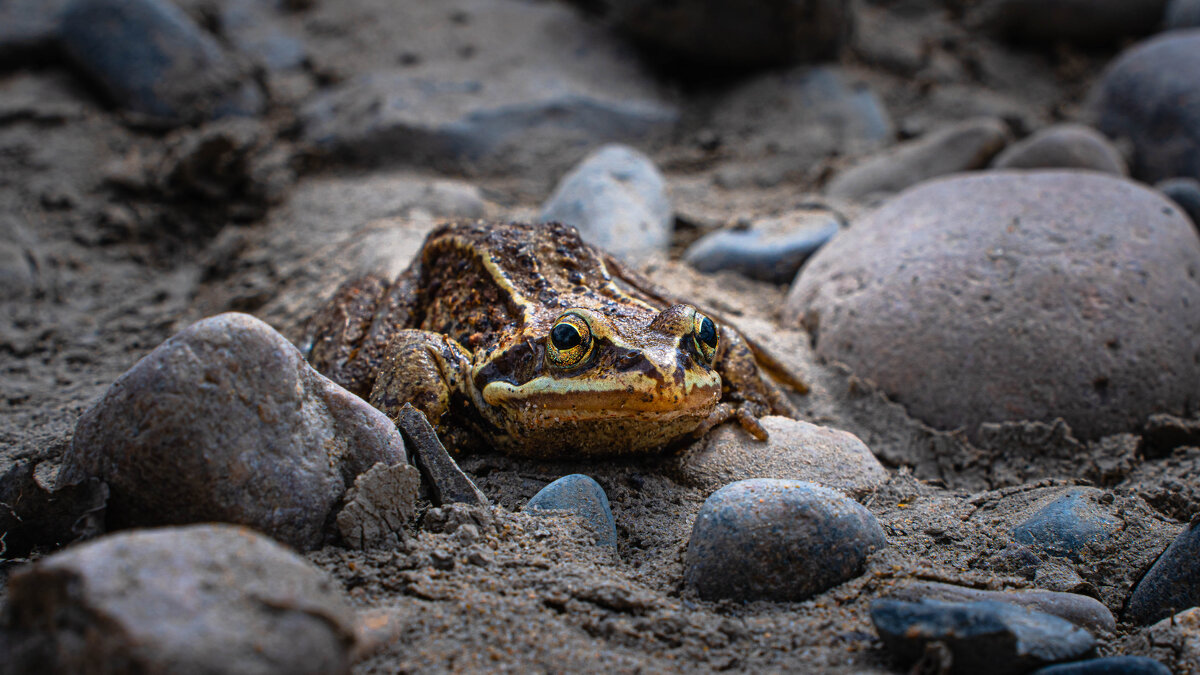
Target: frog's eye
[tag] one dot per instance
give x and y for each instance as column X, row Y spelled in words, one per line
column 570, row 341
column 705, row 335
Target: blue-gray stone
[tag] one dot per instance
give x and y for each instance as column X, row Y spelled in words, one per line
column 1186, row 193
column 152, row 59
column 581, row 496
column 617, row 200
column 1182, row 14
column 774, row 257
column 1112, row 665
column 783, row 540
column 1068, row 525
column 1151, row 96
column 984, row 638
column 1173, row 582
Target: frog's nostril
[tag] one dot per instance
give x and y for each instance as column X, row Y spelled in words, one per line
column 628, row 361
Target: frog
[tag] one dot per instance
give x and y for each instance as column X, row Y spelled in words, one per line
column 525, row 339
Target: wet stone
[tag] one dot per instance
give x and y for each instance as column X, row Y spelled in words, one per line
column 152, row 59
column 581, row 496
column 1186, row 193
column 617, row 200
column 226, row 422
column 1111, row 665
column 771, row 250
column 198, row 599
column 780, row 540
column 1066, row 146
column 1067, row 526
column 1088, row 613
column 1173, row 582
column 1150, row 96
column 983, row 638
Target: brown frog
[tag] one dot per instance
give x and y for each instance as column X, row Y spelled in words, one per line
column 525, row 338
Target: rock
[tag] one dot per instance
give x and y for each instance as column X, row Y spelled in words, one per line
column 581, row 496
column 781, row 540
column 29, row 29
column 151, row 59
column 382, row 501
column 1088, row 613
column 617, row 200
column 941, row 295
column 1186, row 193
column 794, row 450
column 731, row 34
column 447, row 482
column 199, row 599
column 771, row 250
column 509, row 122
column 1172, row 582
column 962, row 147
column 226, row 422
column 1079, row 21
column 1068, row 525
column 1149, row 96
column 984, row 638
column 1111, row 665
column 1182, row 14
column 1067, row 146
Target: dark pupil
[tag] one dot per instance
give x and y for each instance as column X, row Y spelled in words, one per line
column 565, row 336
column 708, row 332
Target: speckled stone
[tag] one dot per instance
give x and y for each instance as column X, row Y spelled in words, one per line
column 581, row 496
column 198, row 599
column 1012, row 296
column 1063, row 146
column 1068, row 525
column 782, row 540
column 1171, row 583
column 226, row 422
column 1112, row 665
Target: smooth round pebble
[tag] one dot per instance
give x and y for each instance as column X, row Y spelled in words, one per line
column 770, row 251
column 199, row 599
column 984, row 637
column 617, row 199
column 1150, row 95
column 581, row 496
column 1186, row 193
column 1010, row 296
column 1063, row 146
column 1068, row 525
column 1172, row 583
column 780, row 540
column 1111, row 665
column 1182, row 14
column 226, row 422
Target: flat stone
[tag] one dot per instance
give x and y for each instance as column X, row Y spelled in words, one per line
column 1149, row 96
column 1065, row 146
column 940, row 296
column 1111, row 665
column 1068, row 525
column 1078, row 21
column 962, row 147
column 1182, row 14
column 447, row 482
column 731, row 34
column 152, row 59
column 780, row 540
column 1185, row 192
column 771, row 250
column 794, row 450
column 226, row 422
column 1172, row 582
column 580, row 496
column 617, row 200
column 984, row 637
column 1088, row 613
column 199, row 599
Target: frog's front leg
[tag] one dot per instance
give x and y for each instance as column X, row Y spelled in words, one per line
column 746, row 392
column 432, row 372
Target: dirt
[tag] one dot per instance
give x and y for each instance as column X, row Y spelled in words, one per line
column 127, row 238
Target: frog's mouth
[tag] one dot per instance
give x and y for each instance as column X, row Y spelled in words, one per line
column 572, row 399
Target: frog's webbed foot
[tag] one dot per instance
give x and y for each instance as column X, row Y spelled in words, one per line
column 746, row 414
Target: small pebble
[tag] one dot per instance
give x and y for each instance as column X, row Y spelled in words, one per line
column 1186, row 193
column 1068, row 525
column 780, row 540
column 1067, row 146
column 617, row 200
column 198, row 599
column 1112, row 665
column 583, row 497
column 1172, row 583
column 770, row 251
column 983, row 638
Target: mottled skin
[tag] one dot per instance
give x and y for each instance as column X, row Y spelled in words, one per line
column 474, row 327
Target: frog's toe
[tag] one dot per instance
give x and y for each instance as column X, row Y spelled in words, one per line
column 749, row 420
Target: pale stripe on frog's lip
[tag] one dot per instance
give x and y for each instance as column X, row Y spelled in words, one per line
column 605, row 398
